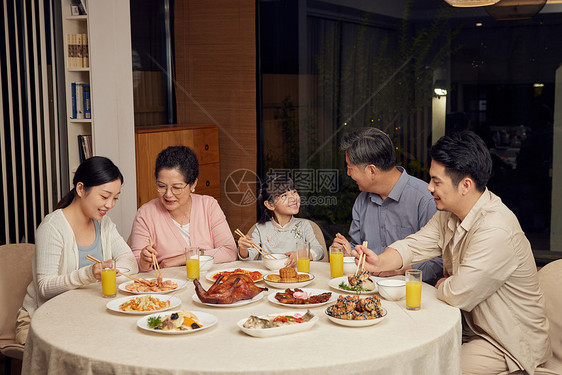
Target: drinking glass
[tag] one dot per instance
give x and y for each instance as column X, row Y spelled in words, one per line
column 108, row 279
column 192, row 262
column 303, row 256
column 413, row 289
column 336, row 261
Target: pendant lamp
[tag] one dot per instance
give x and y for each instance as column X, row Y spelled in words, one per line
column 515, row 9
column 471, row 3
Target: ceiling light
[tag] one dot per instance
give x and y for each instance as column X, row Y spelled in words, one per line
column 471, row 3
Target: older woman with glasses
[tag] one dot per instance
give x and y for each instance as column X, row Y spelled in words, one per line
column 179, row 219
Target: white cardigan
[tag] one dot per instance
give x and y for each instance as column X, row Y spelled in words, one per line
column 55, row 264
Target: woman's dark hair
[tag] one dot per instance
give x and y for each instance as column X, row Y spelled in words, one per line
column 367, row 146
column 464, row 154
column 181, row 158
column 273, row 187
column 94, row 171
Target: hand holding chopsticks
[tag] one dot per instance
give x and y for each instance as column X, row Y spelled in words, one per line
column 95, row 260
column 361, row 262
column 261, row 250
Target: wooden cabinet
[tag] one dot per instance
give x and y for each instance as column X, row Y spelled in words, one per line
column 203, row 139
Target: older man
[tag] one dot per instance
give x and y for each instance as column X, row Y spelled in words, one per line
column 391, row 204
column 490, row 272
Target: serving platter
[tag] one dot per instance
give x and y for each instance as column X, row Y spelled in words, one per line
column 113, row 305
column 278, row 331
column 357, row 323
column 210, row 275
column 335, row 284
column 243, row 302
column 207, row 320
column 181, row 284
column 292, row 285
column 333, row 298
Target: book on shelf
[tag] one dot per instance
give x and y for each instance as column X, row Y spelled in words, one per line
column 87, row 101
column 81, row 101
column 84, row 147
column 77, row 51
column 85, row 56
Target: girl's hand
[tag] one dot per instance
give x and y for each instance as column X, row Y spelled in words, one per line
column 244, row 243
column 292, row 261
column 146, row 257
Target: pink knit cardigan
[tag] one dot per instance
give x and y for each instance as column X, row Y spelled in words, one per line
column 208, row 230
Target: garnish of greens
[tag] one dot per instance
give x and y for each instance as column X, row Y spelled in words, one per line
column 154, row 321
column 356, row 289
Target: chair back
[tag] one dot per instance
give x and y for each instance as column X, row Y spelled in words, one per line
column 317, row 233
column 550, row 279
column 15, row 276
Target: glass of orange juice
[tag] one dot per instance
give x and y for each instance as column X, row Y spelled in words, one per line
column 336, row 261
column 108, row 278
column 192, row 262
column 413, row 289
column 303, row 256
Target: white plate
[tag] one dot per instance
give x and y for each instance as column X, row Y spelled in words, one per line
column 358, row 323
column 242, row 302
column 210, row 274
column 207, row 320
column 278, row 331
column 181, row 284
column 113, row 305
column 332, row 299
column 293, row 285
column 335, row 283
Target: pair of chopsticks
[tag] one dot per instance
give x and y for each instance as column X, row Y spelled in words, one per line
column 362, row 258
column 96, row 260
column 261, row 250
column 156, row 265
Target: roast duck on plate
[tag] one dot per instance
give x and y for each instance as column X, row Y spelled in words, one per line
column 235, row 288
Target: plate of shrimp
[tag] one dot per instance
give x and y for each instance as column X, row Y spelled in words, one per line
column 151, row 286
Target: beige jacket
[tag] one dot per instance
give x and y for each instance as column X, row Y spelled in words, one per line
column 493, row 278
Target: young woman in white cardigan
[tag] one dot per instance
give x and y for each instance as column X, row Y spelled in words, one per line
column 78, row 227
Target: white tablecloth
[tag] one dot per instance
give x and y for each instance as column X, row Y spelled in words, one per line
column 74, row 333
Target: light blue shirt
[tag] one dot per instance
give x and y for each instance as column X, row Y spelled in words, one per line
column 94, row 249
column 408, row 207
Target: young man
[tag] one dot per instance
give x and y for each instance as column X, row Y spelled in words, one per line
column 490, row 272
column 391, row 204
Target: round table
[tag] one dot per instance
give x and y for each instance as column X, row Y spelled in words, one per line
column 74, row 333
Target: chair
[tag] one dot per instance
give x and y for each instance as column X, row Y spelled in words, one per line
column 317, row 232
column 15, row 276
column 550, row 279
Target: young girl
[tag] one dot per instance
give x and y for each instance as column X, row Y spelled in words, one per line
column 78, row 227
column 278, row 230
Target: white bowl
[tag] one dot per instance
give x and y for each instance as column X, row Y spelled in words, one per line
column 349, row 266
column 205, row 262
column 275, row 264
column 392, row 289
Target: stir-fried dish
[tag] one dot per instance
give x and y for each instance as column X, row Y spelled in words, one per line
column 144, row 303
column 151, row 286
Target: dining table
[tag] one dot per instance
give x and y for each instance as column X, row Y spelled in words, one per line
column 75, row 333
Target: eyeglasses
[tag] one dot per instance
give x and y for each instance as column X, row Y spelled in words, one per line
column 176, row 190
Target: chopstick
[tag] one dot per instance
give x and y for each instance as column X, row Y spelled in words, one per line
column 359, row 263
column 95, row 260
column 261, row 250
column 156, row 266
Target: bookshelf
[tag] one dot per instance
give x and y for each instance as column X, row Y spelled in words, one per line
column 109, row 74
column 77, row 75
